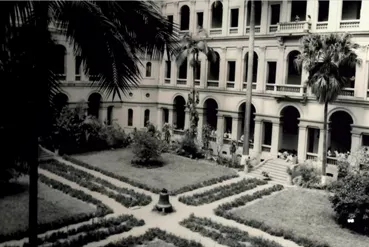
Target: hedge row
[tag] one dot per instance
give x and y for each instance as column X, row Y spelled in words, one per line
column 102, row 210
column 221, row 192
column 152, row 234
column 224, row 235
column 96, row 235
column 146, row 187
column 223, row 211
column 128, row 220
column 127, row 197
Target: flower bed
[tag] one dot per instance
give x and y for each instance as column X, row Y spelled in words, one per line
column 225, row 235
column 152, row 234
column 127, row 197
column 224, row 211
column 101, row 211
column 146, row 187
column 96, row 231
column 221, row 192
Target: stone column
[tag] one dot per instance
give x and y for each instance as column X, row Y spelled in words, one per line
column 160, row 118
column 311, row 9
column 364, row 17
column 289, row 9
column 189, row 80
column 241, row 18
column 235, row 128
column 192, row 26
column 203, row 73
column 173, row 73
column 223, row 69
column 276, row 134
column 355, row 140
column 264, row 17
column 200, row 124
column 207, row 13
column 334, row 15
column 239, row 124
column 257, row 136
column 281, row 64
column 284, row 11
column 320, row 145
column 225, row 22
column 70, row 66
column 302, row 140
column 260, row 84
column 187, row 119
column 238, row 72
column 220, row 128
column 170, row 116
column 361, row 77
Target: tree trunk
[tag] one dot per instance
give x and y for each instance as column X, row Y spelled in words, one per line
column 246, row 142
column 324, row 161
column 32, row 161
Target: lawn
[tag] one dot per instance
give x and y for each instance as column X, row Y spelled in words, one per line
column 177, row 172
column 307, row 213
column 53, row 205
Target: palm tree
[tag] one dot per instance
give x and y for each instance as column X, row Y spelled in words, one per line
column 192, row 46
column 250, row 64
column 328, row 59
column 109, row 36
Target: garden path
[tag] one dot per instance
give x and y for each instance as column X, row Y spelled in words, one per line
column 170, row 222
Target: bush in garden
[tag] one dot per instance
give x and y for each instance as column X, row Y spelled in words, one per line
column 147, row 149
column 166, row 131
column 305, row 175
column 188, row 147
column 350, row 200
column 343, row 169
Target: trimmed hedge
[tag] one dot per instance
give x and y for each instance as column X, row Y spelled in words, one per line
column 146, row 187
column 129, row 220
column 224, row 235
column 221, row 192
column 223, row 211
column 127, row 197
column 91, row 233
column 101, row 211
column 151, row 235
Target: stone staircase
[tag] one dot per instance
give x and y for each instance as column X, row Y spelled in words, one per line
column 276, row 168
column 43, row 155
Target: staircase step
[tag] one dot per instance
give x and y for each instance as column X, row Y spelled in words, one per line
column 274, row 168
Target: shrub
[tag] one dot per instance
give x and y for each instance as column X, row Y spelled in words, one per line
column 350, row 200
column 304, row 175
column 189, row 148
column 343, row 169
column 147, row 149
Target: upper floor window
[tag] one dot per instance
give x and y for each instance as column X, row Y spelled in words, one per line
column 185, row 17
column 323, row 10
column 58, row 64
column 168, row 68
column 298, row 10
column 257, row 12
column 78, row 68
column 217, row 14
column 351, row 10
column 170, row 19
column 234, row 17
column 275, row 10
column 130, row 117
column 200, row 19
column 148, row 69
column 146, row 117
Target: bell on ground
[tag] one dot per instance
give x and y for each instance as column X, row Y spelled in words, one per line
column 164, row 205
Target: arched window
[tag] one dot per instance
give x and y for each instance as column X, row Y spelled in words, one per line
column 217, row 14
column 146, row 117
column 130, row 117
column 94, row 102
column 185, row 18
column 148, row 69
column 60, row 100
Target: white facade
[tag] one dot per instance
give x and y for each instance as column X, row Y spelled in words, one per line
column 275, row 44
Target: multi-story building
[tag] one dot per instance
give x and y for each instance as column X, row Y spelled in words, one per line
column 285, row 113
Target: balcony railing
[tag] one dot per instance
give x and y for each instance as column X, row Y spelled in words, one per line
column 332, row 160
column 244, row 85
column 240, row 144
column 215, row 31
column 197, row 82
column 178, row 132
column 349, row 24
column 233, row 30
column 322, row 25
column 181, row 81
column 61, row 77
column 257, row 29
column 311, row 156
column 183, row 32
column 347, row 92
column 266, row 148
column 273, row 28
column 213, row 83
column 285, row 89
column 230, row 84
column 167, row 80
column 294, row 27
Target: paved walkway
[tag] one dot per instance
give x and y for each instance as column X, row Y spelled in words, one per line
column 170, row 222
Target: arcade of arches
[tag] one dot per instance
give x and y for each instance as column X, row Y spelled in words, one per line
column 270, row 133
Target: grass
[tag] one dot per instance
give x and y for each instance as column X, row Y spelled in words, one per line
column 177, row 173
column 53, row 206
column 303, row 213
